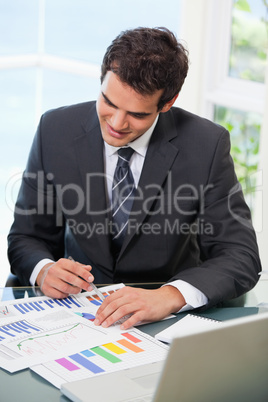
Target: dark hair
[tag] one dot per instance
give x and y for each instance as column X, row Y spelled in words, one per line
column 148, row 59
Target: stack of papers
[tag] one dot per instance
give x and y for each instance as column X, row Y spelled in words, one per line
column 57, row 339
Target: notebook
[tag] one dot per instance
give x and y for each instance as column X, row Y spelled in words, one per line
column 186, row 326
column 225, row 363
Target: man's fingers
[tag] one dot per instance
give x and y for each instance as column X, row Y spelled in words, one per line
column 65, row 277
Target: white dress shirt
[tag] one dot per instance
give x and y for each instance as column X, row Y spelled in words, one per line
column 194, row 298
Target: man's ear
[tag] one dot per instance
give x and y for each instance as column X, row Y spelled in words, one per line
column 168, row 105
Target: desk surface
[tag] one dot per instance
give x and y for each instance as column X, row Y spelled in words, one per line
column 28, row 386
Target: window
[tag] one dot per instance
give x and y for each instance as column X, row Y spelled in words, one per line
column 228, row 84
column 50, row 55
column 247, row 63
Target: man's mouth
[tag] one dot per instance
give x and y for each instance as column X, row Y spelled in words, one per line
column 116, row 134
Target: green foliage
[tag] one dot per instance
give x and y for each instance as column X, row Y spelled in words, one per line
column 249, row 42
column 244, row 130
column 242, row 5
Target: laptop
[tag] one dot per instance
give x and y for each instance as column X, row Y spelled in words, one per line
column 229, row 363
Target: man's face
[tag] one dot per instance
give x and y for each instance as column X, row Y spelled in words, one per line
column 124, row 114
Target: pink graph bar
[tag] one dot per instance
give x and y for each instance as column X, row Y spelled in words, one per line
column 67, row 364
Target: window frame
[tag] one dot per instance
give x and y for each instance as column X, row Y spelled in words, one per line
column 208, row 84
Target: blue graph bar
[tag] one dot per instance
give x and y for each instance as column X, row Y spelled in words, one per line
column 49, row 303
column 28, row 306
column 22, row 328
column 36, row 308
column 38, row 304
column 59, row 302
column 24, row 308
column 86, row 363
column 65, row 304
column 13, row 327
column 42, row 305
column 87, row 353
column 74, row 301
column 6, row 332
column 19, row 309
column 95, row 302
column 25, row 325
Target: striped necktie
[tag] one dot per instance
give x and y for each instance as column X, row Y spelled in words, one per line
column 122, row 197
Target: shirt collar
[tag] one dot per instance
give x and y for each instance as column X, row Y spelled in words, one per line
column 139, row 145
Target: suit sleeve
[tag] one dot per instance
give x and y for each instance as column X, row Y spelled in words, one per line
column 228, row 249
column 38, row 228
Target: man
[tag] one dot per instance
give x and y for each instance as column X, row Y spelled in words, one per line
column 187, row 226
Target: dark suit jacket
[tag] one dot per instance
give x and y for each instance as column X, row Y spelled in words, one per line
column 188, row 222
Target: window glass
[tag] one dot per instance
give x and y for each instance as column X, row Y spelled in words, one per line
column 249, row 40
column 83, row 30
column 62, row 88
column 18, row 26
column 17, row 105
column 244, row 128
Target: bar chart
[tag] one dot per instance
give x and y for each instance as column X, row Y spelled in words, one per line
column 131, row 349
column 18, row 327
column 70, row 303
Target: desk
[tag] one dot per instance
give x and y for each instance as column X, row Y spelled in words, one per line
column 27, row 386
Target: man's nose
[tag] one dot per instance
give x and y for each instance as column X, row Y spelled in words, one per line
column 119, row 120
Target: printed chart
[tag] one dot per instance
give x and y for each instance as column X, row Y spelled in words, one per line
column 24, row 343
column 42, row 304
column 18, row 327
column 130, row 349
column 39, row 305
column 38, row 329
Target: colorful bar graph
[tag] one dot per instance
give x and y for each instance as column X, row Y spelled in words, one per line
column 130, row 346
column 106, row 355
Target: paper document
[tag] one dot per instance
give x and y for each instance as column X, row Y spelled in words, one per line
column 187, row 325
column 36, row 330
column 130, row 349
column 61, row 333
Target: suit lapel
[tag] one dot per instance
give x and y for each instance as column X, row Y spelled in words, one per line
column 160, row 156
column 89, row 153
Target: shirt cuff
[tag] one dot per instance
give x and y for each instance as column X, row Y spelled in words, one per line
column 37, row 269
column 194, row 297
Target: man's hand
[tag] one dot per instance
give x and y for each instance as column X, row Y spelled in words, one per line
column 64, row 277
column 141, row 304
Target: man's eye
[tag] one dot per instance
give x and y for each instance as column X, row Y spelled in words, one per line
column 108, row 102
column 138, row 116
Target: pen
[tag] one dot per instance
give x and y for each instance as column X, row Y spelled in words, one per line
column 97, row 291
